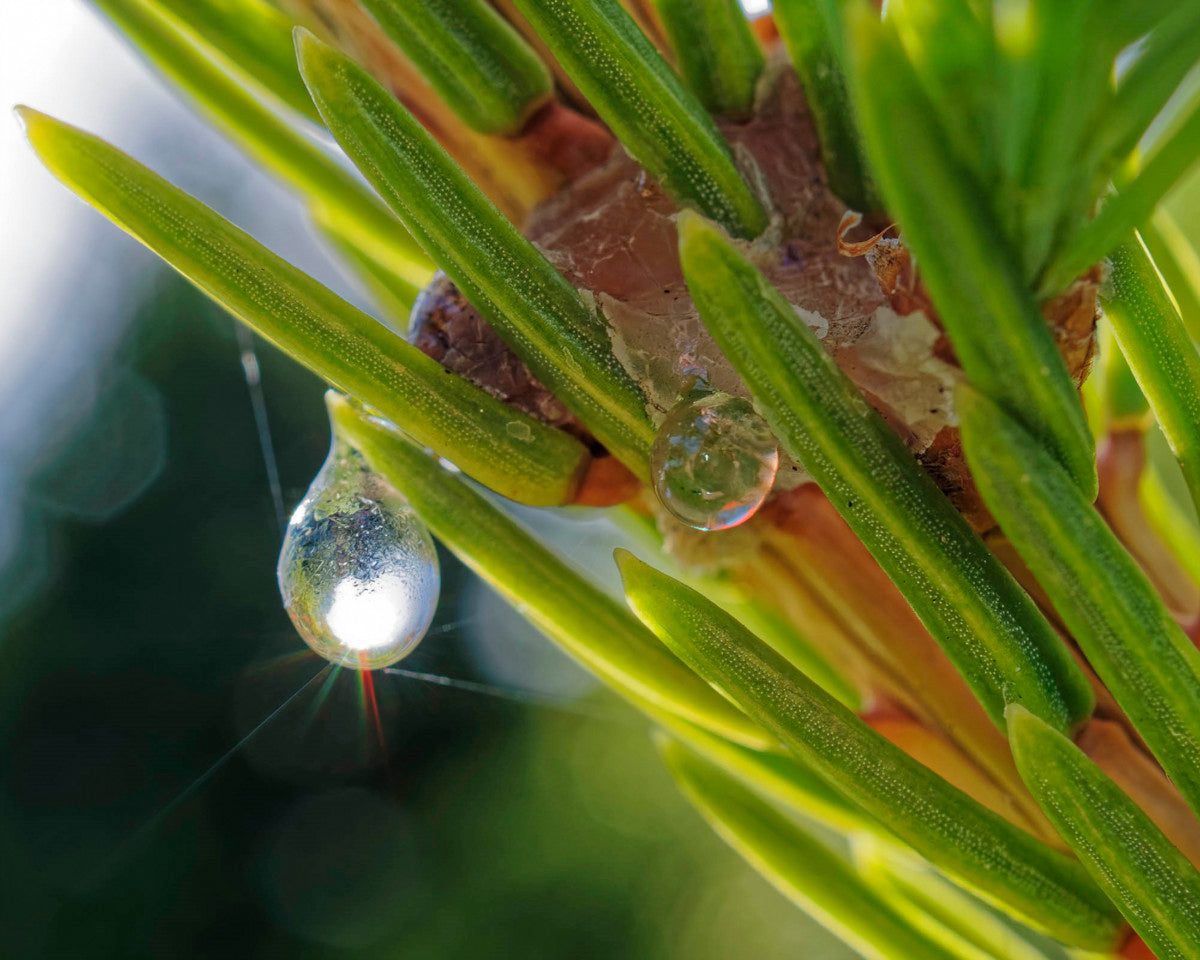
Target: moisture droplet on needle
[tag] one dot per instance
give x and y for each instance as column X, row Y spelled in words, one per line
column 714, row 462
column 358, row 571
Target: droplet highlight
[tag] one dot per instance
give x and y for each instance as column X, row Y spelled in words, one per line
column 358, row 571
column 714, row 462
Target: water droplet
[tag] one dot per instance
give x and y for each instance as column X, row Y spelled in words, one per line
column 358, row 571
column 714, row 461
column 519, row 430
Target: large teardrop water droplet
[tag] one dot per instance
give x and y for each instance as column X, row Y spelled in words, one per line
column 358, row 570
column 714, row 461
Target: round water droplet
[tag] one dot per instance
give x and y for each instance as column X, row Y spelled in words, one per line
column 358, row 571
column 714, row 461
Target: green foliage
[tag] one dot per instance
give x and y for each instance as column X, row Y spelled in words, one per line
column 646, row 105
column 987, row 625
column 949, row 45
column 1155, row 886
column 1014, row 153
column 944, row 825
column 806, row 35
column 334, row 339
column 482, row 68
column 572, row 611
column 802, row 867
column 1017, row 102
column 784, row 637
column 394, row 293
column 1178, row 530
column 935, row 904
column 1178, row 263
column 1125, row 406
column 541, row 316
column 975, row 279
column 1163, row 60
column 1118, row 620
column 928, row 900
column 716, row 52
column 785, row 780
column 1166, row 163
column 253, row 37
column 1161, row 355
column 267, row 137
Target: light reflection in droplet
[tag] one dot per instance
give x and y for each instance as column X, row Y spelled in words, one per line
column 367, row 615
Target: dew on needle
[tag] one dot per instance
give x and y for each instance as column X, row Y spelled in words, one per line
column 358, row 570
column 714, row 461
